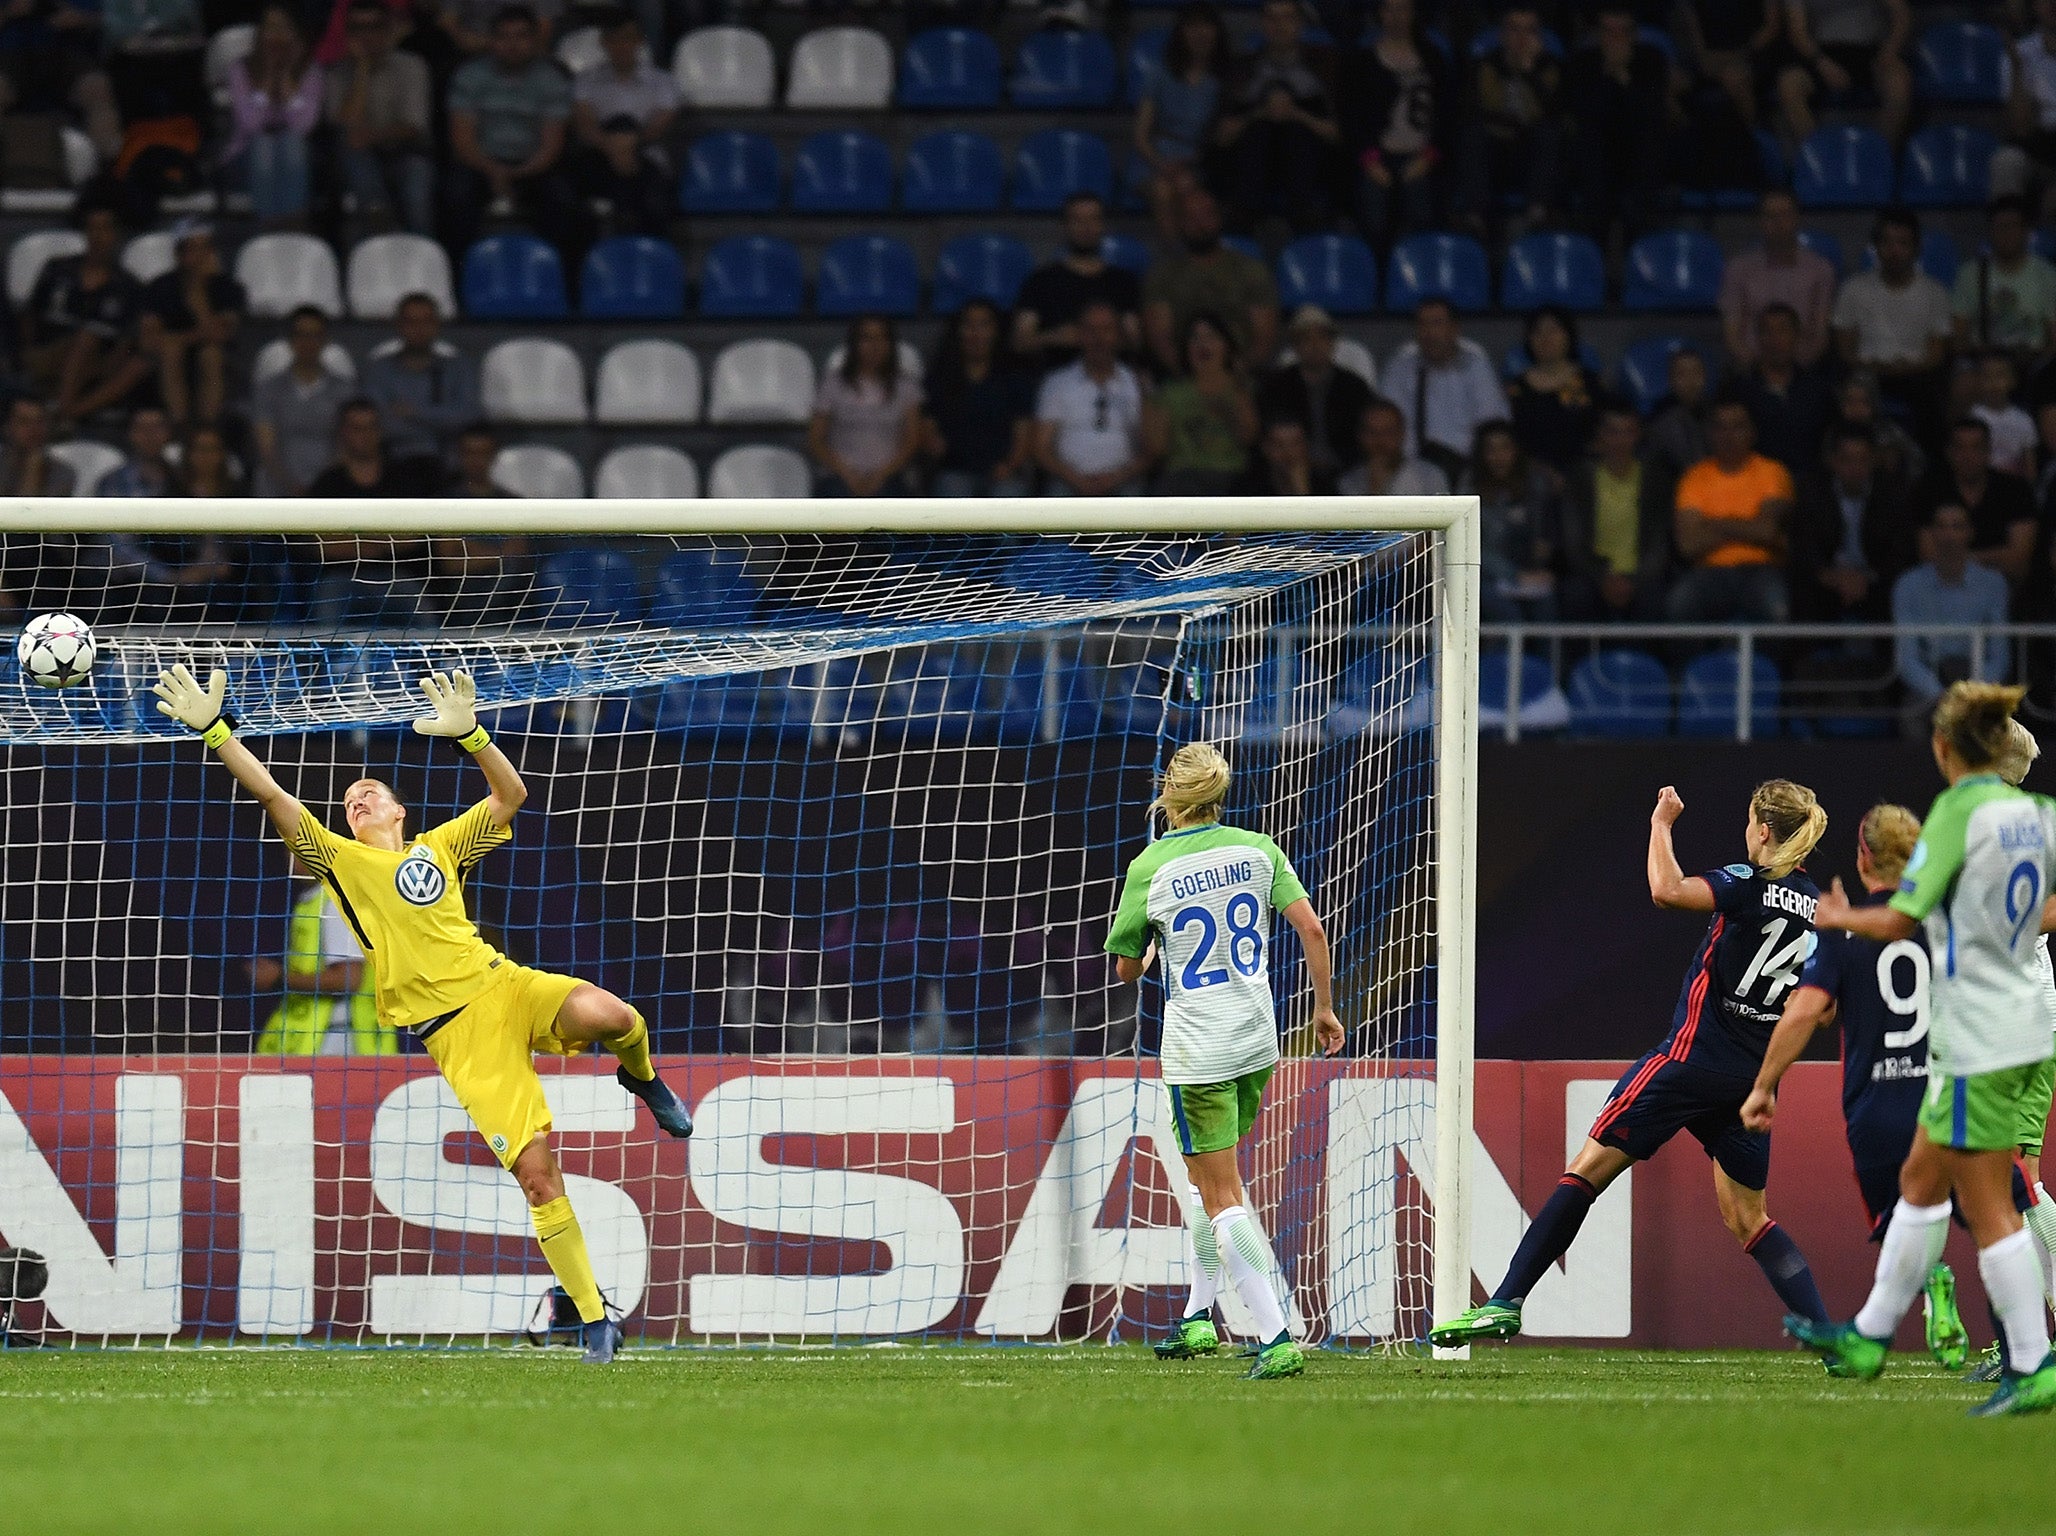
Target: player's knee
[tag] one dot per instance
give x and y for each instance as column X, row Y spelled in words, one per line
column 611, row 1016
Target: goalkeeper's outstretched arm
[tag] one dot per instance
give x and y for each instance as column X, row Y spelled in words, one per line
column 454, row 698
column 199, row 709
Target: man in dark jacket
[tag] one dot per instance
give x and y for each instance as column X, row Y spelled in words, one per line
column 1851, row 536
column 1616, row 91
column 1329, row 401
column 1512, row 133
column 1617, row 526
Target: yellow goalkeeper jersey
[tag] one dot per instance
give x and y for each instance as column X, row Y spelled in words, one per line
column 407, row 909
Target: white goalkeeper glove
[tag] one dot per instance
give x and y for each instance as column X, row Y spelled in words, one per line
column 454, row 698
column 180, row 696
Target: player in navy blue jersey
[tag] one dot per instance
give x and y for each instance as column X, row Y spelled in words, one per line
column 1760, row 936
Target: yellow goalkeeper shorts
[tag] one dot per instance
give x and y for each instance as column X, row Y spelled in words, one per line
column 486, row 1053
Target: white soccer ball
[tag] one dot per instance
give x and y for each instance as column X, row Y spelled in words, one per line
column 56, row 650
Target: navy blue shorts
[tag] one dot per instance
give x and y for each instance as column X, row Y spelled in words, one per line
column 1880, row 1185
column 1657, row 1097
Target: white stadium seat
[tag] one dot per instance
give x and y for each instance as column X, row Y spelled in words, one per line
column 535, row 469
column 841, row 68
column 912, row 363
column 760, row 471
column 283, row 271
column 580, row 50
column 223, row 49
column 647, row 383
column 88, row 460
column 532, row 379
column 150, row 255
column 33, row 252
column 766, row 380
column 646, row 472
column 724, row 67
column 274, row 356
column 387, row 268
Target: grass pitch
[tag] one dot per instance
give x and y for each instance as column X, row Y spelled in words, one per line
column 977, row 1440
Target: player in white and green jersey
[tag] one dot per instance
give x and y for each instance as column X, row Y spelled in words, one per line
column 1979, row 879
column 1202, row 898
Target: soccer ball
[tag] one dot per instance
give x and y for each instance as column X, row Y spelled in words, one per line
column 55, row 650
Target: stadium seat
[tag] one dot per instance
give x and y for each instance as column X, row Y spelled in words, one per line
column 540, row 471
column 846, row 69
column 514, row 277
column 1645, row 368
column 949, row 69
column 1559, row 269
column 752, row 277
column 276, row 355
column 387, row 268
column 589, row 586
column 708, row 585
column 149, row 255
column 1055, row 71
column 911, row 362
column 730, row 172
column 980, row 267
column 1539, row 705
column 1962, row 62
column 648, row 382
column 35, row 250
column 725, row 68
column 282, row 271
column 1127, row 252
column 580, row 49
column 763, row 380
column 1337, row 272
column 224, row 48
column 760, row 471
column 1707, row 695
column 88, row 461
column 1620, row 693
column 1823, row 243
column 868, row 274
column 632, row 277
column 1947, row 166
column 1145, row 60
column 951, row 172
column 1673, row 269
column 532, row 379
column 1939, row 256
column 1448, row 267
column 1843, row 166
column 842, row 171
column 1054, row 163
column 646, row 472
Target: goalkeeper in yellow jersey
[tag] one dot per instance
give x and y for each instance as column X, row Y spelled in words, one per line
column 480, row 1016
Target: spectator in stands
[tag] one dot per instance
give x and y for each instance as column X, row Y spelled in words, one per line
column 1948, row 587
column 1285, row 465
column 1677, row 426
column 2029, row 76
column 1520, row 522
column 1616, row 526
column 1896, row 323
column 1844, row 49
column 1174, row 122
column 2006, row 295
column 155, row 578
column 478, row 450
column 508, row 115
column 2014, row 439
column 1555, row 399
column 1207, row 275
column 2001, row 507
column 155, row 58
column 622, row 110
column 1198, row 427
column 1386, row 468
column 867, row 418
column 1730, row 43
column 26, row 465
column 425, row 389
column 1400, row 102
column 144, row 470
column 1780, row 271
column 1278, row 133
column 293, row 413
column 1445, row 386
column 1616, row 91
column 1326, row 400
column 378, row 580
column 274, row 97
column 1513, row 130
column 1047, row 308
column 78, row 326
column 471, row 26
column 1732, row 511
column 1088, row 416
column 976, row 423
column 1900, row 458
column 189, row 319
column 206, row 467
column 378, row 107
column 1851, row 536
column 479, row 578
column 1790, row 404
column 50, row 64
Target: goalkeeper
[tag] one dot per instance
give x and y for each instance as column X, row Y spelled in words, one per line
column 480, row 1016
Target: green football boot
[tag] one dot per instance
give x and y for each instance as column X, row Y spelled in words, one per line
column 2033, row 1393
column 1990, row 1367
column 1280, row 1359
column 1194, row 1336
column 1494, row 1320
column 1847, row 1353
column 1946, row 1339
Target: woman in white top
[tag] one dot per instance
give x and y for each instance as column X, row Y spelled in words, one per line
column 867, row 418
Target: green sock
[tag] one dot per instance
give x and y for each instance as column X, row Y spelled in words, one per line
column 633, row 1049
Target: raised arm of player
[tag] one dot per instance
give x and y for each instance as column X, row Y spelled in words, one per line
column 1806, row 1010
column 1885, row 924
column 199, row 709
column 1669, row 885
column 454, row 698
column 1313, row 943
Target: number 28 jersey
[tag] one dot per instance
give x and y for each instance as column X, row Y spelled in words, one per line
column 1759, row 940
column 1209, row 893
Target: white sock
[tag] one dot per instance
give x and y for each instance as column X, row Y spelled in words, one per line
column 1249, row 1258
column 2013, row 1280
column 1913, row 1243
column 2041, row 1221
column 1202, row 1258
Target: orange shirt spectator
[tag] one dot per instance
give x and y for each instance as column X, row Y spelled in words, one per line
column 1720, row 494
column 1730, row 524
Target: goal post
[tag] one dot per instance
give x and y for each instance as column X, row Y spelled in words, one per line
column 838, row 792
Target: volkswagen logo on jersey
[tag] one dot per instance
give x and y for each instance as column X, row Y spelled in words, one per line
column 419, row 879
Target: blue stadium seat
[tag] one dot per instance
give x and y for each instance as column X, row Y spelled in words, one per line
column 1843, row 167
column 951, row 172
column 1960, row 61
column 1243, row 243
column 949, row 68
column 589, row 586
column 730, row 172
column 1055, row 70
column 868, row 274
column 1645, row 368
column 1947, row 166
column 1337, row 272
column 1448, row 267
column 1939, row 256
column 704, row 588
column 632, row 277
column 1620, row 693
column 1553, row 269
column 1673, row 269
column 1127, row 252
column 1145, row 59
column 1823, row 243
column 841, row 171
column 1707, row 695
column 1539, row 703
column 751, row 277
column 513, row 277
column 1771, row 172
column 1056, row 162
column 980, row 267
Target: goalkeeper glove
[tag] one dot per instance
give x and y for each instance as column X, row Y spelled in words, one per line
column 180, row 696
column 454, row 698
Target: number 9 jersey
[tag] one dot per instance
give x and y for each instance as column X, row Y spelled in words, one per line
column 1758, row 942
column 1209, row 894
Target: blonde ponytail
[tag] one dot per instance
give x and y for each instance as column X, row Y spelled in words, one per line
column 1195, row 785
column 1792, row 814
column 1972, row 718
column 1888, row 833
column 2018, row 754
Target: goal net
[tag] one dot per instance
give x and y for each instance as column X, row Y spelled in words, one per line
column 840, row 796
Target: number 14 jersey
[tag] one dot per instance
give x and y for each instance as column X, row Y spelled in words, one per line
column 1753, row 952
column 1209, row 894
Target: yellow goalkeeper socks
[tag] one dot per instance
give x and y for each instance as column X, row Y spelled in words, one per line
column 633, row 1049
column 556, row 1228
